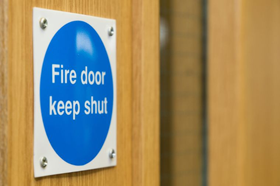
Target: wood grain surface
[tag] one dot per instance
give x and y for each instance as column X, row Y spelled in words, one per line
column 261, row 91
column 145, row 134
column 224, row 93
column 19, row 95
column 244, row 88
column 3, row 90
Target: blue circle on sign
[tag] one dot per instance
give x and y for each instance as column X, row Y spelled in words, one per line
column 76, row 93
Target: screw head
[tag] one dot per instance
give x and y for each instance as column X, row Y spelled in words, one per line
column 112, row 153
column 43, row 23
column 111, row 31
column 43, row 162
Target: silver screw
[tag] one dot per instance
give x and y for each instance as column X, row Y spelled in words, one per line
column 112, row 153
column 111, row 31
column 43, row 23
column 43, row 162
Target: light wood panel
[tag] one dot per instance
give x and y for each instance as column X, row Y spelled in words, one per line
column 3, row 91
column 20, row 93
column 145, row 57
column 261, row 63
column 224, row 94
column 244, row 81
column 137, row 44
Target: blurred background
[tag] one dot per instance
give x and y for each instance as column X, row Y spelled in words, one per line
column 182, row 73
column 220, row 87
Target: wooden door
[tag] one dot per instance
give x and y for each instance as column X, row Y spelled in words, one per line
column 244, row 88
column 137, row 93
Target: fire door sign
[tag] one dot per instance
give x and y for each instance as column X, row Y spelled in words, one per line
column 74, row 92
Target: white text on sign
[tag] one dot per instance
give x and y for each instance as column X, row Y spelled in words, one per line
column 64, row 76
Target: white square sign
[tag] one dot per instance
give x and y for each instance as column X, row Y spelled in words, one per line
column 74, row 92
